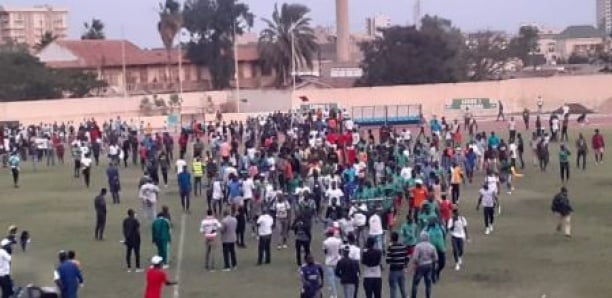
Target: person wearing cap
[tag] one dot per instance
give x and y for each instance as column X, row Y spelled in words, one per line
column 561, row 205
column 156, row 278
column 6, row 283
column 68, row 277
column 100, row 206
column 423, row 259
column 161, row 236
column 131, row 239
column 14, row 162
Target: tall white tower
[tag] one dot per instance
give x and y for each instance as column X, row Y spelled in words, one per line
column 343, row 53
column 604, row 15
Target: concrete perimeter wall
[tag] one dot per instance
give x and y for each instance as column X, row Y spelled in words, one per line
column 593, row 91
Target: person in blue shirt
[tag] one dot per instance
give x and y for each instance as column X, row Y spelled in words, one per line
column 114, row 184
column 234, row 189
column 470, row 164
column 184, row 181
column 14, row 162
column 68, row 277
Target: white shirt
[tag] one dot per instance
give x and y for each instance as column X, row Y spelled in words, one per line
column 85, row 162
column 334, row 194
column 513, row 150
column 358, row 216
column 566, row 110
column 209, row 227
column 406, row 173
column 492, row 182
column 217, row 190
column 355, row 138
column 264, row 225
column 5, row 263
column 180, row 164
column 457, row 227
column 354, row 252
column 148, row 192
column 113, row 150
column 375, row 225
column 348, row 124
column 488, row 198
column 282, row 209
column 331, row 246
column 247, row 188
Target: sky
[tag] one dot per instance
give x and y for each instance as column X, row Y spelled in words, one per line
column 136, row 20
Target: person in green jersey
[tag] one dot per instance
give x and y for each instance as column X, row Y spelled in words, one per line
column 408, row 233
column 161, row 236
column 564, row 155
column 437, row 237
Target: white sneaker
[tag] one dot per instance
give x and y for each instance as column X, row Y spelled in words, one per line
column 139, row 270
column 129, row 270
column 284, row 246
column 226, row 270
column 460, row 261
column 487, row 231
column 491, row 228
column 457, row 267
column 279, row 247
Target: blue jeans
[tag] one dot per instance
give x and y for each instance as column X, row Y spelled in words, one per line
column 397, row 279
column 330, row 280
column 422, row 272
column 380, row 241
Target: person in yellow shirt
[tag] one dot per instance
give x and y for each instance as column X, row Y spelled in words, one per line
column 456, row 180
column 198, row 173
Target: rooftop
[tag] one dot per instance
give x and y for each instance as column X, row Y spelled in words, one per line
column 581, row 31
column 34, row 8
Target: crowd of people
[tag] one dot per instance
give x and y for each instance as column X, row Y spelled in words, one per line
column 377, row 197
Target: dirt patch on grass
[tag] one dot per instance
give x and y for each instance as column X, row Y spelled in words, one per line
column 605, row 107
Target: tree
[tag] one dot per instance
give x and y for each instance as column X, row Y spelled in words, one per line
column 77, row 84
column 94, row 30
column 213, row 25
column 405, row 55
column 487, row 54
column 525, row 45
column 45, row 40
column 289, row 28
column 170, row 23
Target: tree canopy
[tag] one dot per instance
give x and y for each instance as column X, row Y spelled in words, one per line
column 45, row 40
column 170, row 22
column 524, row 46
column 405, row 55
column 213, row 25
column 287, row 32
column 24, row 77
column 94, row 30
column 487, row 54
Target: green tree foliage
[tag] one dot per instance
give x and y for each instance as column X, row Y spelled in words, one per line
column 487, row 54
column 24, row 77
column 170, row 23
column 94, row 30
column 213, row 25
column 45, row 40
column 405, row 55
column 525, row 45
column 289, row 27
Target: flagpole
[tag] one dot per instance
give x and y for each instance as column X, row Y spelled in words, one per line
column 293, row 58
column 236, row 72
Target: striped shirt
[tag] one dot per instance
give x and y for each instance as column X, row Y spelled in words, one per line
column 397, row 256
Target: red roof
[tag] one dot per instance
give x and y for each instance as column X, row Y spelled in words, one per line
column 99, row 53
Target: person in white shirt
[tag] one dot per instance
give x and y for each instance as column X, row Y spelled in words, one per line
column 148, row 194
column 457, row 228
column 180, row 165
column 511, row 130
column 208, row 228
column 282, row 209
column 406, row 173
column 331, row 248
column 247, row 194
column 264, row 232
column 6, row 283
column 488, row 200
column 86, row 168
column 358, row 215
column 113, row 153
column 376, row 230
column 217, row 196
column 334, row 193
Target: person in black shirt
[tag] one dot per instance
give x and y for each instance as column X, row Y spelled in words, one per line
column 100, row 206
column 347, row 270
column 372, row 276
column 131, row 236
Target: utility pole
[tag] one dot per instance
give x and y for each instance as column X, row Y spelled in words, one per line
column 417, row 14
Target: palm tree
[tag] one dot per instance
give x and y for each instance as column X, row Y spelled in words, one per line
column 169, row 25
column 94, row 30
column 45, row 40
column 288, row 33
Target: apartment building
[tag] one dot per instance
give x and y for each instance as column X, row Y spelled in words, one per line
column 28, row 24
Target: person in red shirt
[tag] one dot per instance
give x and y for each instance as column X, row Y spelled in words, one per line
column 446, row 209
column 156, row 279
column 598, row 146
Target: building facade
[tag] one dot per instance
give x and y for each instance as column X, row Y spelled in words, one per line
column 584, row 40
column 376, row 23
column 604, row 15
column 132, row 70
column 28, row 24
